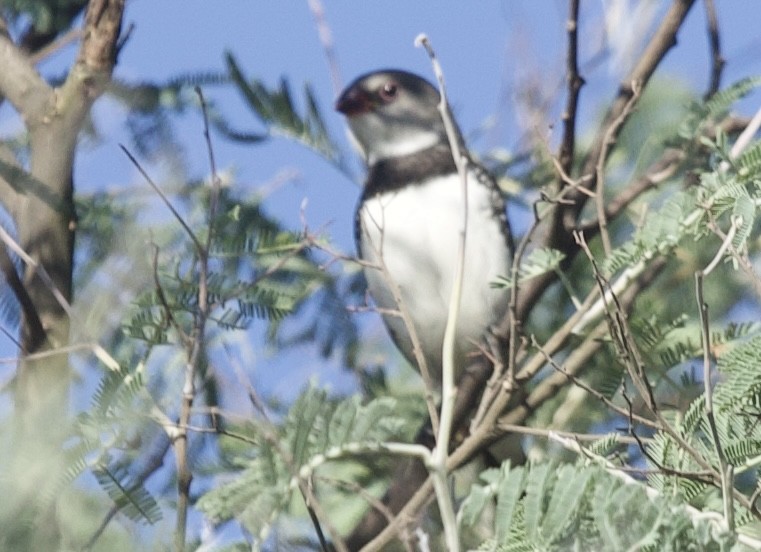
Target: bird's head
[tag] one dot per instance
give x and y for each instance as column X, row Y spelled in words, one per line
column 392, row 113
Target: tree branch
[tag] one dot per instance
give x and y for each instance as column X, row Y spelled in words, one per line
column 714, row 43
column 575, row 82
column 557, row 231
column 21, row 84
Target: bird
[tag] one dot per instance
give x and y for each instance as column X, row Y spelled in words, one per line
column 409, row 217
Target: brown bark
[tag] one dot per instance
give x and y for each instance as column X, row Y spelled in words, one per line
column 46, row 228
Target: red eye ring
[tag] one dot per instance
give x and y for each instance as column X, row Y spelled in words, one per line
column 388, row 91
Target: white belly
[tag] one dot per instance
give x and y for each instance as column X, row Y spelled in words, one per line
column 413, row 233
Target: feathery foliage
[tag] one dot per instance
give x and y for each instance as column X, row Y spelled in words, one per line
column 316, row 430
column 581, row 507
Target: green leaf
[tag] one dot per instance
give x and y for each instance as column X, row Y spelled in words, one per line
column 538, row 262
column 277, row 111
column 130, row 497
column 508, row 494
column 537, row 483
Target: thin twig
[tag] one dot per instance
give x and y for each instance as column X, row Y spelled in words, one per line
column 99, row 352
column 69, row 37
column 659, row 172
column 632, row 359
column 151, row 465
column 741, row 258
column 582, row 437
column 355, row 488
column 316, row 512
column 556, row 233
column 30, row 315
column 599, row 396
column 215, row 180
column 39, row 270
column 12, row 338
column 168, row 313
column 403, row 312
column 726, row 470
column 448, row 390
column 608, row 142
column 633, row 272
column 163, row 197
column 326, row 40
column 510, row 328
column 714, row 43
column 746, row 137
column 570, row 182
column 195, row 347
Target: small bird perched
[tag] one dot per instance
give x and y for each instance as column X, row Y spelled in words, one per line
column 410, row 213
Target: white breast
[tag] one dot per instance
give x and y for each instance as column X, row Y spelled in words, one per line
column 413, row 234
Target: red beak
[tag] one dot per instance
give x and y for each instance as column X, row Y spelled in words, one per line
column 354, row 101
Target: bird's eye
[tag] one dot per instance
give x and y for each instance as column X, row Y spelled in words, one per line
column 388, row 92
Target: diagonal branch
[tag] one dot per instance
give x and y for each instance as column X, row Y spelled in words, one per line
column 21, row 84
column 557, row 231
column 487, row 432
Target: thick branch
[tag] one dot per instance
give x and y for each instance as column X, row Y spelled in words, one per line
column 20, row 83
column 575, row 82
column 54, row 118
column 103, row 24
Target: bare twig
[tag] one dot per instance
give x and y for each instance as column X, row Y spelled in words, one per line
column 581, row 437
column 448, row 390
column 714, row 43
column 316, row 512
column 164, row 198
column 326, row 40
column 746, row 136
column 38, row 268
column 168, row 314
column 99, row 352
column 556, row 232
column 403, row 312
column 28, row 310
column 608, row 142
column 632, row 359
column 659, row 172
column 570, row 182
column 215, row 181
column 599, row 396
column 741, row 258
column 195, row 347
column 499, row 385
column 726, row 469
column 72, row 35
